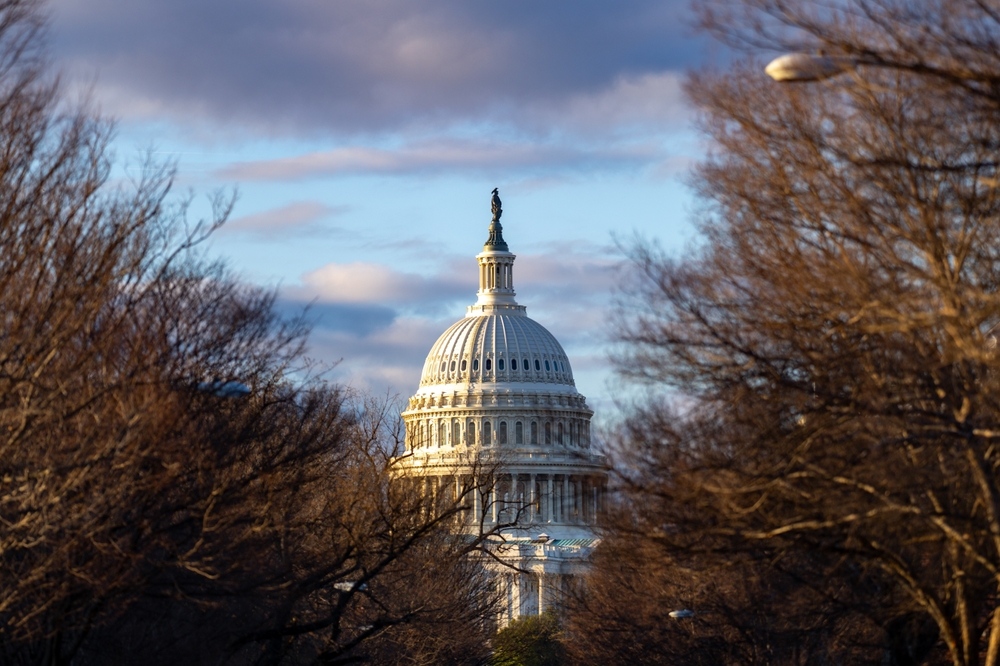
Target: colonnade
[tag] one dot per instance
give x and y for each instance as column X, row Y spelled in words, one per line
column 527, row 498
column 496, row 274
column 487, row 431
column 533, row 593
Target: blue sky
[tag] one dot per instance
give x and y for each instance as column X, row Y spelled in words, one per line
column 364, row 138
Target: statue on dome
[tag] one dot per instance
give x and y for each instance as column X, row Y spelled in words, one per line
column 497, row 210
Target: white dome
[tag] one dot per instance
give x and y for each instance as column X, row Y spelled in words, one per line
column 499, row 347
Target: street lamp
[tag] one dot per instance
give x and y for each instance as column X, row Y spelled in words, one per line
column 799, row 67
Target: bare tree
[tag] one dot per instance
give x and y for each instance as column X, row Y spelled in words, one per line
column 834, row 334
column 142, row 511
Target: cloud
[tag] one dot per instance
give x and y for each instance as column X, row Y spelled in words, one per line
column 630, row 102
column 437, row 156
column 390, row 356
column 300, row 216
column 353, row 319
column 362, row 282
column 301, row 66
column 382, row 322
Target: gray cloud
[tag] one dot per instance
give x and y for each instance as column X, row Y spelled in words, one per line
column 300, row 216
column 357, row 320
column 436, row 156
column 301, row 66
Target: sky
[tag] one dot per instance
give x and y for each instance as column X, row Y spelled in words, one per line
column 364, row 138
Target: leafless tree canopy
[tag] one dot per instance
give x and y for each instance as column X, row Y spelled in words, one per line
column 145, row 517
column 834, row 339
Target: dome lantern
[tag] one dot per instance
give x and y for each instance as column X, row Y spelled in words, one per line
column 496, row 270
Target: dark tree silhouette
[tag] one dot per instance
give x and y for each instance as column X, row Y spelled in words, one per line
column 832, row 338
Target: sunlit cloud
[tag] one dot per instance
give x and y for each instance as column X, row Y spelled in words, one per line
column 298, row 217
column 362, row 282
column 382, row 321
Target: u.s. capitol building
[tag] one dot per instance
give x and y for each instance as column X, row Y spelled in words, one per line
column 498, row 386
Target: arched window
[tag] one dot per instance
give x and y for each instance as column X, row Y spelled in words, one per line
column 456, row 432
column 534, row 432
column 502, row 438
column 525, row 365
column 487, row 433
column 470, row 433
column 475, row 365
column 519, row 433
column 463, row 364
column 489, row 364
column 548, row 432
column 538, row 366
column 559, row 434
column 546, row 366
column 443, row 434
column 453, row 366
column 500, row 364
column 513, row 364
column 443, row 365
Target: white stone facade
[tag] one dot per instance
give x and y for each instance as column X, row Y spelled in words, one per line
column 497, row 385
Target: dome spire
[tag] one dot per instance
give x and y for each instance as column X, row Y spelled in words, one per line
column 495, row 242
column 496, row 271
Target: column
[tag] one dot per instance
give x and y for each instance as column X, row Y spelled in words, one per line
column 514, row 499
column 517, row 584
column 563, row 501
column 578, row 499
column 532, row 514
column 541, row 593
column 493, row 504
column 476, row 501
column 550, row 503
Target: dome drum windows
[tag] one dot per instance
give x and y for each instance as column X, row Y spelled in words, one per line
column 500, row 364
column 546, row 366
column 487, row 434
column 464, row 362
column 538, row 366
column 470, row 433
column 513, row 364
column 488, row 364
column 456, row 432
column 502, row 435
column 518, row 433
column 475, row 365
column 548, row 433
column 534, row 432
column 453, row 366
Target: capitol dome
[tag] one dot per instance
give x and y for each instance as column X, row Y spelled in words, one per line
column 508, row 348
column 497, row 386
column 497, row 376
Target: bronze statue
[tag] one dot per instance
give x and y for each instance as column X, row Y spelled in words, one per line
column 497, row 210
